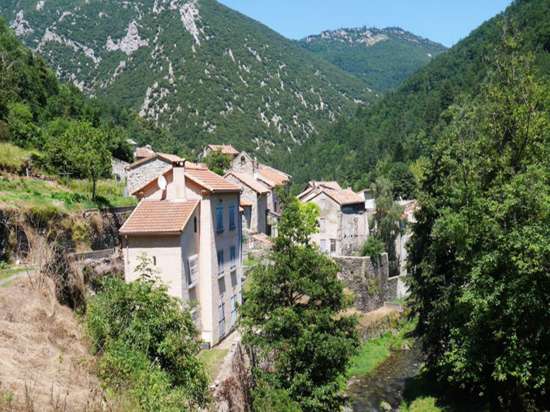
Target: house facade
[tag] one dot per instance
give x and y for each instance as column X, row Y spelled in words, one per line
column 254, row 201
column 343, row 220
column 189, row 227
column 225, row 149
column 269, row 178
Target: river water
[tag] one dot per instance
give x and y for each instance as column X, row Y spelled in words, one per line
column 386, row 383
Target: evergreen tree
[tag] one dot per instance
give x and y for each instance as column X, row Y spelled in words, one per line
column 480, row 254
column 292, row 319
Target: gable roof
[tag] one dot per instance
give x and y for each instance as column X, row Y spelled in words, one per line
column 159, row 217
column 249, row 181
column 272, row 175
column 168, row 158
column 143, row 152
column 211, row 181
column 226, row 149
column 200, row 175
column 341, row 196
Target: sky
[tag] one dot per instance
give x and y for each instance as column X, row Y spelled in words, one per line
column 443, row 21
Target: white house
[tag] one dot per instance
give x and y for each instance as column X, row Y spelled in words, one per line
column 343, row 220
column 188, row 223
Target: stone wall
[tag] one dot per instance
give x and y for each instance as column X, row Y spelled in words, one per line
column 146, row 172
column 368, row 280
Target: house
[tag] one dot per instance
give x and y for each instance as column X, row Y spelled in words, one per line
column 187, row 222
column 268, row 176
column 254, row 197
column 119, row 169
column 148, row 168
column 225, row 149
column 143, row 152
column 343, row 220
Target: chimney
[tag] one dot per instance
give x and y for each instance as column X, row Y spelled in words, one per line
column 179, row 180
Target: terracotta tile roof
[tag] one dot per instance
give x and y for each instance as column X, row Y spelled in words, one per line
column 168, row 158
column 272, row 176
column 250, row 182
column 191, row 165
column 143, row 152
column 211, row 181
column 344, row 197
column 246, row 203
column 224, row 148
column 159, row 217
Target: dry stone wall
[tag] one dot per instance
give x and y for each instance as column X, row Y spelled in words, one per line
column 368, row 279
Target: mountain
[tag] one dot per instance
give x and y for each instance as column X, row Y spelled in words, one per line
column 204, row 71
column 403, row 125
column 383, row 58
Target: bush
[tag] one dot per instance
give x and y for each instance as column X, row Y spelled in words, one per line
column 146, row 339
column 373, row 247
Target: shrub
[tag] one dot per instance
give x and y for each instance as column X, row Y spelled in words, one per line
column 159, row 340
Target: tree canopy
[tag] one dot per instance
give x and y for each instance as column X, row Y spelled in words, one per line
column 292, row 319
column 480, row 254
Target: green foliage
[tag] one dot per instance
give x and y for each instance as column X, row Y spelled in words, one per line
column 480, row 254
column 217, row 161
column 291, row 318
column 13, row 158
column 81, row 151
column 23, row 131
column 373, row 247
column 386, row 220
column 403, row 125
column 383, row 65
column 375, row 351
column 269, row 399
column 243, row 84
column 149, row 345
column 309, row 215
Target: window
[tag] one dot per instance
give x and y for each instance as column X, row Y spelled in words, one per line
column 220, row 263
column 243, row 160
column 233, row 256
column 324, row 247
column 219, row 219
column 221, row 286
column 154, row 261
column 221, row 319
column 193, row 270
column 332, row 245
column 322, row 225
column 232, row 219
column 195, row 225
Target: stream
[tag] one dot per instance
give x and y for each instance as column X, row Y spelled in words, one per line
column 386, row 383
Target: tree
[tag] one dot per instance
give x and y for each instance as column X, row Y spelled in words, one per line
column 480, row 253
column 292, row 320
column 80, row 150
column 387, row 216
column 148, row 344
column 217, row 161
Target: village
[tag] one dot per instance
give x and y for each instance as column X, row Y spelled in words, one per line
column 198, row 228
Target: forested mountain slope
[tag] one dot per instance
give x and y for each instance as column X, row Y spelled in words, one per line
column 383, row 58
column 206, row 72
column 403, row 125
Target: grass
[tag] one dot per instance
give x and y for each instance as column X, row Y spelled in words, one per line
column 374, row 351
column 212, row 360
column 70, row 197
column 13, row 158
column 423, row 404
column 10, row 271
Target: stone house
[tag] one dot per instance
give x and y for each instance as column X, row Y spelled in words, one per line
column 253, row 201
column 119, row 169
column 189, row 226
column 268, row 176
column 225, row 149
column 144, row 152
column 343, row 220
column 148, row 168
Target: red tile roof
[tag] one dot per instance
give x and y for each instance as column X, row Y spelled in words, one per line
column 168, row 158
column 272, row 176
column 211, row 181
column 249, row 181
column 224, row 148
column 143, row 152
column 159, row 217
